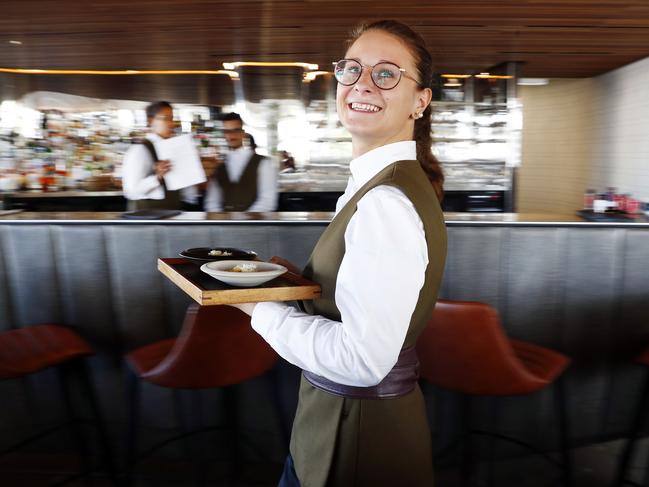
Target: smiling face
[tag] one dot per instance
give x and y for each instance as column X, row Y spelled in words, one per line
column 376, row 117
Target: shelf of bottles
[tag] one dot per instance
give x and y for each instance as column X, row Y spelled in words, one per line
column 476, row 131
column 476, row 136
column 54, row 151
column 477, row 122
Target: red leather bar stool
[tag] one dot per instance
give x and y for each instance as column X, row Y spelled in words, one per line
column 637, row 424
column 28, row 350
column 216, row 348
column 464, row 349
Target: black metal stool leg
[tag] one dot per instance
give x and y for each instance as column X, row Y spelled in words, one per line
column 646, row 479
column 564, row 432
column 200, row 460
column 467, row 441
column 77, row 433
column 274, row 383
column 133, row 395
column 181, row 419
column 31, row 400
column 634, row 433
column 232, row 419
column 98, row 419
column 494, row 412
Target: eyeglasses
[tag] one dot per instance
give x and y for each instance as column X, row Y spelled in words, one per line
column 384, row 75
column 232, row 131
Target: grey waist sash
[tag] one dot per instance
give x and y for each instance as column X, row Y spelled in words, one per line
column 401, row 380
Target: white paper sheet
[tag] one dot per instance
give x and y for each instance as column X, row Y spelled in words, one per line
column 186, row 168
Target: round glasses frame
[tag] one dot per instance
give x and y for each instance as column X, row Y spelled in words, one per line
column 402, row 73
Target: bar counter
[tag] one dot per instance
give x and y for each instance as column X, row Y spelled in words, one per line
column 578, row 287
column 304, row 217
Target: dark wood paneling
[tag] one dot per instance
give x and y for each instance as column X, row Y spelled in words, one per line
column 571, row 38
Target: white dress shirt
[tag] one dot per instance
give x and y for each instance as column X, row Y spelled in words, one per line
column 235, row 162
column 377, row 288
column 139, row 182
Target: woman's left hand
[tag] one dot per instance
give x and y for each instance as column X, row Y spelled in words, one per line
column 247, row 308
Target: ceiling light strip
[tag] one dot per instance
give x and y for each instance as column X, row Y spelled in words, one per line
column 125, row 72
column 268, row 64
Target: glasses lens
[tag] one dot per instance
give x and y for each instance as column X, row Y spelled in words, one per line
column 386, row 75
column 348, row 71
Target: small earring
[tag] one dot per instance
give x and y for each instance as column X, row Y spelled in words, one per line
column 418, row 116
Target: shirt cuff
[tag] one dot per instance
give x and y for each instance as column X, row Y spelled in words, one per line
column 150, row 183
column 264, row 315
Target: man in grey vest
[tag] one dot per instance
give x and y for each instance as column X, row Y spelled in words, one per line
column 246, row 181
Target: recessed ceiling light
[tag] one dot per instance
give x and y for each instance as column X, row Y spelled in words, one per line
column 238, row 64
column 310, row 76
column 532, row 81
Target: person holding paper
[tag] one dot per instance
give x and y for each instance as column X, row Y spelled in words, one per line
column 246, row 181
column 144, row 172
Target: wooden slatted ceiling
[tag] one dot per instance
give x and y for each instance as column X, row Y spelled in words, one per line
column 571, row 38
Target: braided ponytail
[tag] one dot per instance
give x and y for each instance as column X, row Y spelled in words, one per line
column 427, row 160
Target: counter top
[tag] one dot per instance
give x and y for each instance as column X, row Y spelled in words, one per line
column 73, row 193
column 287, row 188
column 79, row 193
column 452, row 219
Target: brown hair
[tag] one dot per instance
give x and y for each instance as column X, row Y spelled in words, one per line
column 424, row 64
column 156, row 107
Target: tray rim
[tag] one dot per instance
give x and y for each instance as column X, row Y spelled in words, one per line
column 303, row 290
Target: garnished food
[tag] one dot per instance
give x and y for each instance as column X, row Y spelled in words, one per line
column 219, row 253
column 244, row 268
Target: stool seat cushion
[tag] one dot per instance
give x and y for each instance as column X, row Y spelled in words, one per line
column 544, row 363
column 464, row 348
column 147, row 357
column 643, row 358
column 217, row 347
column 24, row 351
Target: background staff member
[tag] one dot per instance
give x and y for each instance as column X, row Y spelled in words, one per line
column 246, row 181
column 361, row 418
column 143, row 174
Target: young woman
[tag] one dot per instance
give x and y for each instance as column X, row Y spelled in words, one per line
column 361, row 418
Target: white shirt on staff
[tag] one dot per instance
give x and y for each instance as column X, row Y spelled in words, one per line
column 235, row 163
column 377, row 288
column 139, row 180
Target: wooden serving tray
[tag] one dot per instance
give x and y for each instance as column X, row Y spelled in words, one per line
column 206, row 290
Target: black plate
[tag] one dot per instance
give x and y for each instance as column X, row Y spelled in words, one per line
column 200, row 255
column 150, row 214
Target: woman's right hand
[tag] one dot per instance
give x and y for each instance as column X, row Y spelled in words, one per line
column 161, row 168
column 291, row 267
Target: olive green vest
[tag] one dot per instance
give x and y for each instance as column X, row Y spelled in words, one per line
column 369, row 442
column 241, row 195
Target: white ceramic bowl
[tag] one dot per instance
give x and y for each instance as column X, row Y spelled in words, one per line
column 264, row 272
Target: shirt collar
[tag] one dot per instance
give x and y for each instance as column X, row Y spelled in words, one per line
column 365, row 167
column 240, row 150
column 153, row 137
